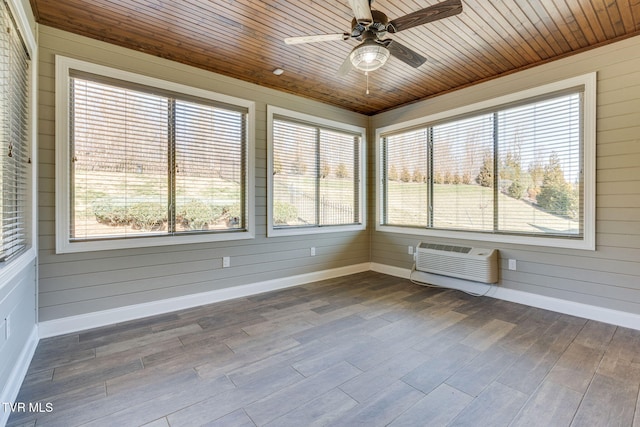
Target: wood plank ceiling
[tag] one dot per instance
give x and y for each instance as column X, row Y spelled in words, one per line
column 244, row 39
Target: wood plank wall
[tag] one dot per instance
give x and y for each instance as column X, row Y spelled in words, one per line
column 610, row 276
column 74, row 284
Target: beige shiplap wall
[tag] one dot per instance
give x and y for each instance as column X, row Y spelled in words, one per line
column 75, row 284
column 610, row 276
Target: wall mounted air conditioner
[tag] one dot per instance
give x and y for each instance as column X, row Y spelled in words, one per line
column 475, row 264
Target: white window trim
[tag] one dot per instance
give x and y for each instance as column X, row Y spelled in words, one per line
column 10, row 270
column 63, row 243
column 294, row 115
column 588, row 242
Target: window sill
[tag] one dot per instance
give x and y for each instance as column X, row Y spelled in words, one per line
column 64, row 247
column 585, row 243
column 9, row 271
column 297, row 231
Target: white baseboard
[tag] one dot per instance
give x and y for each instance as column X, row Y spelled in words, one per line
column 10, row 391
column 109, row 317
column 586, row 311
column 81, row 322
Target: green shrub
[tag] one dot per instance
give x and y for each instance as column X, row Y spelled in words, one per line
column 148, row 216
column 516, row 190
column 195, row 215
column 283, row 213
column 558, row 199
column 232, row 214
column 556, row 195
column 108, row 213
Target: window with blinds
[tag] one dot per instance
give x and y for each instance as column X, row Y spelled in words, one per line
column 316, row 175
column 515, row 169
column 14, row 138
column 147, row 162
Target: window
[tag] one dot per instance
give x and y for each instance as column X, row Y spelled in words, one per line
column 518, row 169
column 316, row 174
column 14, row 137
column 149, row 162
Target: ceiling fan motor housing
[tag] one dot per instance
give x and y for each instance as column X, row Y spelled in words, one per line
column 378, row 26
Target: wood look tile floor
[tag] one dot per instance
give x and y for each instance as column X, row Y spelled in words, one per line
column 366, row 349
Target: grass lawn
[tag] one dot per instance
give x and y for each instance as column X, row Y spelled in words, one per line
column 336, row 195
column 469, row 207
column 128, row 189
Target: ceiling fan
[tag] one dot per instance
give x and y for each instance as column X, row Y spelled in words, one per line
column 370, row 26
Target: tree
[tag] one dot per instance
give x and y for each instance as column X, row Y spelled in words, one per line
column 341, row 171
column 516, row 190
column 557, row 196
column 393, row 173
column 405, row 176
column 418, row 176
column 511, row 171
column 277, row 166
column 325, row 170
column 485, row 176
column 536, row 173
column 510, row 168
column 448, row 177
column 466, row 178
column 299, row 167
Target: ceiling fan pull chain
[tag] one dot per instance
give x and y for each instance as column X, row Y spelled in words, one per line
column 366, row 73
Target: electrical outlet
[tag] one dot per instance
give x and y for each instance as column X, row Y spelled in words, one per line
column 312, row 251
column 512, row 264
column 410, row 250
column 226, row 261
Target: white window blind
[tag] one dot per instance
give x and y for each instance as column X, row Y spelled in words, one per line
column 210, row 167
column 515, row 169
column 460, row 149
column 406, row 163
column 14, row 138
column 316, row 175
column 540, row 177
column 149, row 163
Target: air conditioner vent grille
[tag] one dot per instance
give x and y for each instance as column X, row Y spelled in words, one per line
column 448, row 248
column 475, row 264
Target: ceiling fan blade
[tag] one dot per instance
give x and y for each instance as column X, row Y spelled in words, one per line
column 404, row 54
column 345, row 67
column 361, row 11
column 432, row 13
column 317, row 38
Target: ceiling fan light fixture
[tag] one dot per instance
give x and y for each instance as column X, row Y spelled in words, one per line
column 369, row 56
